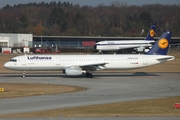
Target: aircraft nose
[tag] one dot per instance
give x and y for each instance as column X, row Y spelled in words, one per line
column 6, row 65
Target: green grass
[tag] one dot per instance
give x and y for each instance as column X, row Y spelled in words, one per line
column 153, row 107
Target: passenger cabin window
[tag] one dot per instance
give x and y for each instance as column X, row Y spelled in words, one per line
column 13, row 60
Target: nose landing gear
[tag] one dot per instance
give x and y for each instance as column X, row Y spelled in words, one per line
column 24, row 74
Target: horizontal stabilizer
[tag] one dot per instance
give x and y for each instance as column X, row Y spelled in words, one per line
column 167, row 58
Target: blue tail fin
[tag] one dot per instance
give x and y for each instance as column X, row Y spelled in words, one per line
column 161, row 46
column 151, row 33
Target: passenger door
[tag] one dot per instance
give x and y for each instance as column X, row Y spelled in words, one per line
column 57, row 61
column 145, row 60
column 24, row 61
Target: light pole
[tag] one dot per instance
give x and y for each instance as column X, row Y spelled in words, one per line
column 41, row 41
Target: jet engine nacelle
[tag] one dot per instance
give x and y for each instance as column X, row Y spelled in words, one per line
column 140, row 49
column 146, row 50
column 73, row 71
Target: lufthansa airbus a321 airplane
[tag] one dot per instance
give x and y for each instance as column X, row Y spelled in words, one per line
column 76, row 65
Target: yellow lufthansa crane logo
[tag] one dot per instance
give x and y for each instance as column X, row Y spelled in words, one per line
column 163, row 43
column 152, row 33
column 1, row 89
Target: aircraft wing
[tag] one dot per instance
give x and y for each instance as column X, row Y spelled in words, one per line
column 93, row 67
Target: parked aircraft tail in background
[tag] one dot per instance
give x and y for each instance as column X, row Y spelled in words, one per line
column 151, row 33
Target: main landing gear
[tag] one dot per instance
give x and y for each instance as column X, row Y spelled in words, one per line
column 89, row 75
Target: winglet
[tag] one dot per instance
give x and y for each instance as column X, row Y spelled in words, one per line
column 161, row 46
column 151, row 33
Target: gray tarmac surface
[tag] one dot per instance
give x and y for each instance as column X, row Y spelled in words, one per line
column 99, row 118
column 103, row 88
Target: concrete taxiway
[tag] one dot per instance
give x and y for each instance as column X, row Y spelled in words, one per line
column 98, row 118
column 103, row 88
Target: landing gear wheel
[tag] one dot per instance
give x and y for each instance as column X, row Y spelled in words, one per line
column 24, row 74
column 89, row 75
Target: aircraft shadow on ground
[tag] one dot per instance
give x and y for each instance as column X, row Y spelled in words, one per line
column 127, row 75
column 83, row 76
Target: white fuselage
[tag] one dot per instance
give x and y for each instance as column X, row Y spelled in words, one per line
column 117, row 45
column 61, row 62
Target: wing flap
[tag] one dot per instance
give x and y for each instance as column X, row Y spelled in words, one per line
column 93, row 66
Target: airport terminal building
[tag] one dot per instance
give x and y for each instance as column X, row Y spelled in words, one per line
column 49, row 44
column 16, row 40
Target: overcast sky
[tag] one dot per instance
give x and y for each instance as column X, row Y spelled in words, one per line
column 92, row 2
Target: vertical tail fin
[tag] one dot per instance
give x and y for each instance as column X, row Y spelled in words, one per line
column 151, row 33
column 161, row 46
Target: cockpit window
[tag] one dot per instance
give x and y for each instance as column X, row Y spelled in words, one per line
column 13, row 60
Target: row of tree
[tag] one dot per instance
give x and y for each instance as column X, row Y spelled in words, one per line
column 64, row 18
